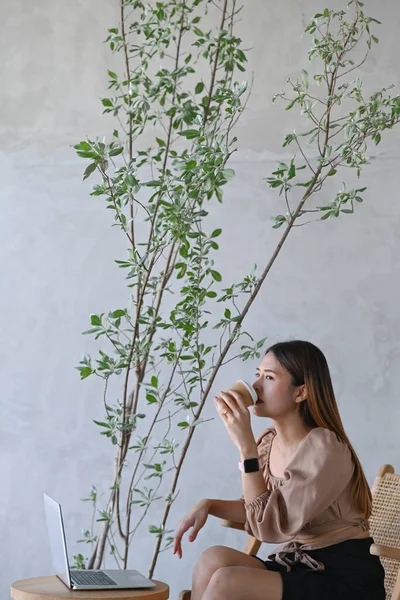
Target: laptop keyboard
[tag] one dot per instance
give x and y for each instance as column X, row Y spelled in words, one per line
column 91, row 578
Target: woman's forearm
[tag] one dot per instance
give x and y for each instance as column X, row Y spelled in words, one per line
column 253, row 484
column 230, row 510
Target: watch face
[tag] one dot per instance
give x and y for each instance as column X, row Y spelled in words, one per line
column 251, row 465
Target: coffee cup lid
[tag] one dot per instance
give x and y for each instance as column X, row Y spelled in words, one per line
column 250, row 389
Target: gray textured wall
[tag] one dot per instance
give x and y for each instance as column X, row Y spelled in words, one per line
column 335, row 283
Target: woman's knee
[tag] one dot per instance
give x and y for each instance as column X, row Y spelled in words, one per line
column 223, row 582
column 211, row 560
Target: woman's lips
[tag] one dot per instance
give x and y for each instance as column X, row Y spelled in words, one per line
column 259, row 401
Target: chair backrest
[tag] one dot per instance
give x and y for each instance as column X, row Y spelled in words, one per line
column 385, row 524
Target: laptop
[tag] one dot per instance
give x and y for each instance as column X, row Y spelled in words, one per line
column 82, row 579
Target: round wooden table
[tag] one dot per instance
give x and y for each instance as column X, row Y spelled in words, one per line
column 51, row 588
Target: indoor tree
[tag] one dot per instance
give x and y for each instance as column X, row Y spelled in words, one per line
column 167, row 358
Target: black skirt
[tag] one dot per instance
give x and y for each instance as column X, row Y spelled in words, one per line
column 351, row 573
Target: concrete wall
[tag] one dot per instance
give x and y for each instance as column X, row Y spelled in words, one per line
column 335, row 283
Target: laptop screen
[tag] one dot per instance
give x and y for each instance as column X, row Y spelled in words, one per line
column 58, row 546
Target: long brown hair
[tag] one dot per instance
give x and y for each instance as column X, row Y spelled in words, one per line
column 307, row 365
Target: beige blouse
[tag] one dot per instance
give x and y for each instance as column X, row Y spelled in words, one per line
column 308, row 508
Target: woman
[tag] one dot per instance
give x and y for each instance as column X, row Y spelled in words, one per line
column 303, row 488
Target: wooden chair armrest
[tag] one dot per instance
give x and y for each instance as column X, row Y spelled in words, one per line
column 385, row 551
column 233, row 524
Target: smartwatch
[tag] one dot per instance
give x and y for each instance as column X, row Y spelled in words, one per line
column 249, row 465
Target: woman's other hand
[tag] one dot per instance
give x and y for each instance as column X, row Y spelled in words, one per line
column 196, row 518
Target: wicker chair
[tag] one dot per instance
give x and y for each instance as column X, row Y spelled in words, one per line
column 384, row 525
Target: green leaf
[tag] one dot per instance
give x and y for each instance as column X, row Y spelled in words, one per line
column 228, row 174
column 106, row 102
column 190, row 134
column 215, row 275
column 85, row 154
column 289, row 106
column 199, row 421
column 199, row 88
column 208, row 184
column 95, row 320
column 288, row 139
column 154, row 529
column 377, row 138
column 313, row 137
column 89, row 170
column 216, row 233
column 279, row 221
column 304, row 76
column 182, row 272
column 85, row 372
column 83, row 146
column 116, row 151
column 101, row 424
column 93, row 330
